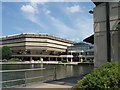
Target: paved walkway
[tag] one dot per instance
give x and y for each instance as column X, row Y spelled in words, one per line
column 46, row 85
column 66, row 83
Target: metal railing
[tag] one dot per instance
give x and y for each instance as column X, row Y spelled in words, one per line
column 26, row 76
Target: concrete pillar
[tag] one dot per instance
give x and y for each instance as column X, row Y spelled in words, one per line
column 81, row 59
column 71, row 59
column 41, row 59
column 61, row 58
column 30, row 58
column 48, row 58
column 67, row 59
column 56, row 58
column 85, row 58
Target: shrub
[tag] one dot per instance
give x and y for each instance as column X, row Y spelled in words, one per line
column 64, row 61
column 14, row 60
column 91, row 60
column 84, row 60
column 106, row 76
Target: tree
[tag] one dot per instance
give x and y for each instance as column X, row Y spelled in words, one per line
column 6, row 52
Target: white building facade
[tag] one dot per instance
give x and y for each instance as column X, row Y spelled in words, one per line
column 37, row 46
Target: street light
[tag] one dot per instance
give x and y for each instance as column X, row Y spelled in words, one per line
column 91, row 12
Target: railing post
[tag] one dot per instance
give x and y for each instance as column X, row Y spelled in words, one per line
column 54, row 73
column 25, row 79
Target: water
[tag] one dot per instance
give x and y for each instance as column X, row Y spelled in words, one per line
column 62, row 71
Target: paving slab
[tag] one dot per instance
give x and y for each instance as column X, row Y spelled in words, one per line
column 46, row 86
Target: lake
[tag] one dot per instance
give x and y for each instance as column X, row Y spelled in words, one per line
column 62, row 71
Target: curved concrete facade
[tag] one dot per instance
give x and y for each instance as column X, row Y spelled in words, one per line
column 36, row 44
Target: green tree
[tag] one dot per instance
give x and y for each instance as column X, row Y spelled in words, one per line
column 6, row 52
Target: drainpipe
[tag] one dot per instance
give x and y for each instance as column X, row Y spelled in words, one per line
column 108, row 32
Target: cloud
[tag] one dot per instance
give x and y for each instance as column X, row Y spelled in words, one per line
column 84, row 27
column 79, row 28
column 46, row 11
column 42, row 2
column 74, row 9
column 29, row 9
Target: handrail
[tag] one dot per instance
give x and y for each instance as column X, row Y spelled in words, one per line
column 20, row 70
column 25, row 78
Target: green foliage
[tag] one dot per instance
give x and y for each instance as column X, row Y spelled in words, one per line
column 106, row 76
column 64, row 61
column 14, row 60
column 91, row 60
column 84, row 60
column 6, row 52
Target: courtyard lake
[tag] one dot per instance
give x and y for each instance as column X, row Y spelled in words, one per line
column 62, row 71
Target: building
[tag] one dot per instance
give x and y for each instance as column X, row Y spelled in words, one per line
column 81, row 52
column 106, row 32
column 37, row 46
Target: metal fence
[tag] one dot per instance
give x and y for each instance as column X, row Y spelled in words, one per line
column 12, row 78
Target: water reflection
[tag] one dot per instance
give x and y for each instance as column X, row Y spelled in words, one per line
column 62, row 71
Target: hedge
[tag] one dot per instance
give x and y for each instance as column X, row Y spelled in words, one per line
column 105, row 77
column 14, row 60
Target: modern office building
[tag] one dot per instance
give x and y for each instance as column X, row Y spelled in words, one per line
column 81, row 51
column 37, row 46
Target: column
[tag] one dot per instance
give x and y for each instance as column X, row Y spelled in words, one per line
column 81, row 59
column 48, row 58
column 67, row 59
column 30, row 58
column 56, row 58
column 61, row 58
column 71, row 59
column 41, row 59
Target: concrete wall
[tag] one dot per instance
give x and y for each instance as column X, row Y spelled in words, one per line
column 100, row 36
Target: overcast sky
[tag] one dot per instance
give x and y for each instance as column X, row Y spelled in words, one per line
column 69, row 20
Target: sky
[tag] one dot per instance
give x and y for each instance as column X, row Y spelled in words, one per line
column 68, row 20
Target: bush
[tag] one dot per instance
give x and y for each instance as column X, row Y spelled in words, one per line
column 106, row 76
column 14, row 60
column 64, row 61
column 91, row 60
column 84, row 60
